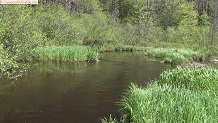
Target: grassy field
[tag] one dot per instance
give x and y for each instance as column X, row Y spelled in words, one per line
column 67, row 53
column 176, row 56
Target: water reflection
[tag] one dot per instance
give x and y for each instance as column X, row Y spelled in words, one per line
column 74, row 92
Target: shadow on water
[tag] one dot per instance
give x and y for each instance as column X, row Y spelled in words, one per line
column 74, row 92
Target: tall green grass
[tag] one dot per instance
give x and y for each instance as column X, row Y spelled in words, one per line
column 167, row 104
column 179, row 95
column 204, row 78
column 67, row 53
column 119, row 47
column 177, row 56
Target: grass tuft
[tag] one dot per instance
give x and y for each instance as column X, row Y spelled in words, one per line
column 109, row 120
column 67, row 53
column 177, row 56
column 204, row 78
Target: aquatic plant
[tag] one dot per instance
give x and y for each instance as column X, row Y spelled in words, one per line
column 109, row 120
column 117, row 48
column 67, row 53
column 177, row 56
column 204, row 78
column 167, row 104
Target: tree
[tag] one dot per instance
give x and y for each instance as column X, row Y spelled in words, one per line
column 214, row 28
column 168, row 12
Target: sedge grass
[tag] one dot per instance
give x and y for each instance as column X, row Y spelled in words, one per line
column 167, row 104
column 67, row 53
column 177, row 56
column 109, row 120
column 119, row 47
column 204, row 78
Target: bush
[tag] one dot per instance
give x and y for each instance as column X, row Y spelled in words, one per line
column 19, row 34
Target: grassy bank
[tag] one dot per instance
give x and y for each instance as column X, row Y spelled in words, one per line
column 129, row 48
column 67, row 53
column 168, row 104
column 179, row 95
column 119, row 47
column 205, row 78
column 175, row 56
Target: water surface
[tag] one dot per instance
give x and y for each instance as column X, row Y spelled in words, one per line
column 74, row 92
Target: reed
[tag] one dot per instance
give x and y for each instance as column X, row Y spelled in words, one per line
column 167, row 104
column 177, row 56
column 119, row 47
column 204, row 78
column 67, row 53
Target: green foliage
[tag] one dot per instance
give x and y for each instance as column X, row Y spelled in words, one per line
column 204, row 78
column 169, row 23
column 24, row 27
column 168, row 104
column 7, row 65
column 55, row 24
column 128, row 48
column 109, row 120
column 94, row 28
column 177, row 56
column 67, row 53
column 130, row 11
column 170, row 13
column 18, row 35
column 88, row 6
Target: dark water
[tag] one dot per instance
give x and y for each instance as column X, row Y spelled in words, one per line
column 74, row 92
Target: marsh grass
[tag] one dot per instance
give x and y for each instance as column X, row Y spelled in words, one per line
column 177, row 56
column 67, row 53
column 167, row 104
column 204, row 78
column 129, row 48
column 109, row 120
column 180, row 95
column 119, row 47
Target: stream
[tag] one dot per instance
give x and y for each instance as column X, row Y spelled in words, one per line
column 75, row 92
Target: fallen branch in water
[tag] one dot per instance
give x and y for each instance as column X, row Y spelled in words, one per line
column 10, row 84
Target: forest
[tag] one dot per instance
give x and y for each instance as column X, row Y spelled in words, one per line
column 106, row 25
